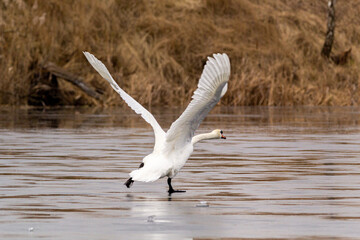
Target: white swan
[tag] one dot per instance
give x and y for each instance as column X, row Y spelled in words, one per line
column 173, row 148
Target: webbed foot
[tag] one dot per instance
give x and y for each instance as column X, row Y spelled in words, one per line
column 129, row 182
column 175, row 191
column 171, row 190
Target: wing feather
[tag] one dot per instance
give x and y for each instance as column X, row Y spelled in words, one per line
column 211, row 87
column 132, row 103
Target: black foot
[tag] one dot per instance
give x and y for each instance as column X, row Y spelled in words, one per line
column 129, row 182
column 171, row 190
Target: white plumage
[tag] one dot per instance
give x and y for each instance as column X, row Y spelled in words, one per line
column 173, row 148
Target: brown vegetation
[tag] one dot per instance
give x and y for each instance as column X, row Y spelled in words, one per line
column 156, row 50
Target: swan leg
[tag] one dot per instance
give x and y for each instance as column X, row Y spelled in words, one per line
column 129, row 182
column 171, row 190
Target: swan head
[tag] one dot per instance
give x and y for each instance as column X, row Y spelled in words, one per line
column 218, row 133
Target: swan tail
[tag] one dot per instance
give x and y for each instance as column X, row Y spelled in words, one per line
column 144, row 176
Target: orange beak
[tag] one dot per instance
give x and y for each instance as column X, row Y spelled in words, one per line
column 223, row 137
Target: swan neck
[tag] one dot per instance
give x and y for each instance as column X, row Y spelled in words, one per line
column 201, row 137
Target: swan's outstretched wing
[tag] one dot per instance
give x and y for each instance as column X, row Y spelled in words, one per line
column 212, row 86
column 133, row 104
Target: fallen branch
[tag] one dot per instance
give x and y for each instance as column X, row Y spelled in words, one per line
column 73, row 79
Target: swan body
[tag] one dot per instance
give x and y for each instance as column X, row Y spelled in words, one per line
column 173, row 148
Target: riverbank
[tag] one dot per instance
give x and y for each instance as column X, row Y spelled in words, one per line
column 156, row 51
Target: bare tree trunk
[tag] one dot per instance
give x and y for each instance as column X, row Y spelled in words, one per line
column 329, row 39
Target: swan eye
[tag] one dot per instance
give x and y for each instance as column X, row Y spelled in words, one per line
column 221, row 132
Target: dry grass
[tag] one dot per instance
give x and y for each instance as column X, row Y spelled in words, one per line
column 156, row 49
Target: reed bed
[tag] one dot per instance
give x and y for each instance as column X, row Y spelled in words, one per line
column 156, row 50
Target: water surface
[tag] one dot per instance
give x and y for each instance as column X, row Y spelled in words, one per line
column 281, row 173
